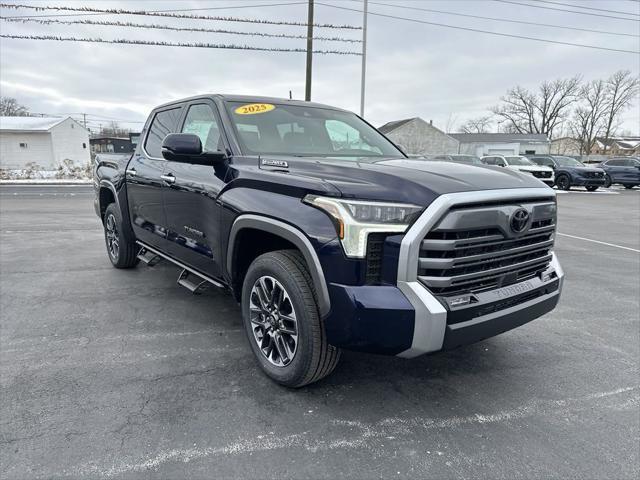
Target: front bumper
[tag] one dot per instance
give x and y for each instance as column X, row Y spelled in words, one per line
column 408, row 320
column 587, row 182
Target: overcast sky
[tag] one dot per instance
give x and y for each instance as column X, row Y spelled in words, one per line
column 413, row 69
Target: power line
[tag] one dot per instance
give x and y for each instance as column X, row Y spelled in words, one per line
column 176, row 10
column 586, row 8
column 483, row 31
column 504, row 20
column 119, row 11
column 103, row 23
column 124, row 41
column 566, row 11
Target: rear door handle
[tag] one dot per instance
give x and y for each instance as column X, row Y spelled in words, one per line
column 131, row 171
column 170, row 179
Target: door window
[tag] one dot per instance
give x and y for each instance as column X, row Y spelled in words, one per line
column 164, row 123
column 201, row 121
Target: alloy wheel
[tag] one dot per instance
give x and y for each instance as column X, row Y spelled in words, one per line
column 113, row 237
column 273, row 321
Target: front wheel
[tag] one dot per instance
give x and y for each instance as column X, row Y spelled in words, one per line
column 607, row 181
column 123, row 253
column 282, row 322
column 629, row 187
column 563, row 182
column 592, row 188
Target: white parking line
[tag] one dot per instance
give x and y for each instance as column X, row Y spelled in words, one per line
column 597, row 192
column 598, row 241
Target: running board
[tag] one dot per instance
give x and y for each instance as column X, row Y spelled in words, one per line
column 148, row 258
column 196, row 285
column 193, row 281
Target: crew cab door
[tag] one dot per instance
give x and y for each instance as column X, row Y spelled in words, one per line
column 193, row 215
column 145, row 183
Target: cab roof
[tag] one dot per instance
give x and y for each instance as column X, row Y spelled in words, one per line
column 251, row 99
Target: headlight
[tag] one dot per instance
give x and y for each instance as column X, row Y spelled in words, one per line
column 356, row 219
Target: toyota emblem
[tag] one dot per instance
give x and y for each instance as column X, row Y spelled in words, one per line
column 519, row 220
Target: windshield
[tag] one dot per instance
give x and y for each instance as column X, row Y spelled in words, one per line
column 568, row 162
column 302, row 131
column 522, row 161
column 466, row 159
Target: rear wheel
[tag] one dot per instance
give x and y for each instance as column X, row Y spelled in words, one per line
column 592, row 188
column 123, row 253
column 607, row 181
column 563, row 182
column 282, row 322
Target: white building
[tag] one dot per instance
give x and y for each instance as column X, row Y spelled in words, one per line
column 44, row 141
column 502, row 143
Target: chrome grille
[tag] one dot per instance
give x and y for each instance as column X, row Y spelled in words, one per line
column 542, row 174
column 473, row 248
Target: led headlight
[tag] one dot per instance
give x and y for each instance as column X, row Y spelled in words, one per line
column 356, row 219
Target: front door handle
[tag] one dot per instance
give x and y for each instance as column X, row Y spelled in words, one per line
column 131, row 171
column 170, row 179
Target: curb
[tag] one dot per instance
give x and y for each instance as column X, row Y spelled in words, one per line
column 44, row 182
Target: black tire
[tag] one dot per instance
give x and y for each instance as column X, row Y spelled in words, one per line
column 313, row 358
column 592, row 188
column 125, row 255
column 563, row 182
column 607, row 181
column 629, row 187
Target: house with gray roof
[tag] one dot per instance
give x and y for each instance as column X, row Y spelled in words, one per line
column 502, row 143
column 418, row 137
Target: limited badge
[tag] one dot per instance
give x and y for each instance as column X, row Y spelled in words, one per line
column 254, row 108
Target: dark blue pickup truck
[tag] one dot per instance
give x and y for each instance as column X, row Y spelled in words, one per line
column 326, row 233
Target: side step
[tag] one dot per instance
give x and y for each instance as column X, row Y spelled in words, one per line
column 149, row 258
column 192, row 282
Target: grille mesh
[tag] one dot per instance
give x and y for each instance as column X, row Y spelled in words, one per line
column 460, row 260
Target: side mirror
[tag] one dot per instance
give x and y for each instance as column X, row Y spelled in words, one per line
column 187, row 148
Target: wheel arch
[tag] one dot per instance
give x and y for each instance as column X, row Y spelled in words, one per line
column 288, row 234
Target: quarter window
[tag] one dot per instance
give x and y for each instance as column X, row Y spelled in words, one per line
column 163, row 124
column 201, row 121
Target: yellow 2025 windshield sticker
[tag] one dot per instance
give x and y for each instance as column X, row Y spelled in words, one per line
column 254, row 108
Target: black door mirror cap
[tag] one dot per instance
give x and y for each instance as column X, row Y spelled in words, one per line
column 187, row 148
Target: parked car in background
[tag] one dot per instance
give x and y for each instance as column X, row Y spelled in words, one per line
column 622, row 170
column 570, row 172
column 458, row 158
column 522, row 164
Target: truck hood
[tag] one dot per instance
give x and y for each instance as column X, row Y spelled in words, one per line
column 405, row 180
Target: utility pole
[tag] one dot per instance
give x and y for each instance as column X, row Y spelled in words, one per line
column 307, row 87
column 364, row 56
column 84, row 119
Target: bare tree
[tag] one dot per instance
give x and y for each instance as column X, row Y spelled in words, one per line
column 477, row 125
column 115, row 130
column 9, row 107
column 622, row 90
column 523, row 111
column 589, row 118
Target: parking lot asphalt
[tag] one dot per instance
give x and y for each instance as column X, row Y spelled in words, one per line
column 112, row 373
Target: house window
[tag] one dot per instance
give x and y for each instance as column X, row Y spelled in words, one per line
column 84, row 145
column 529, row 152
column 23, row 145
